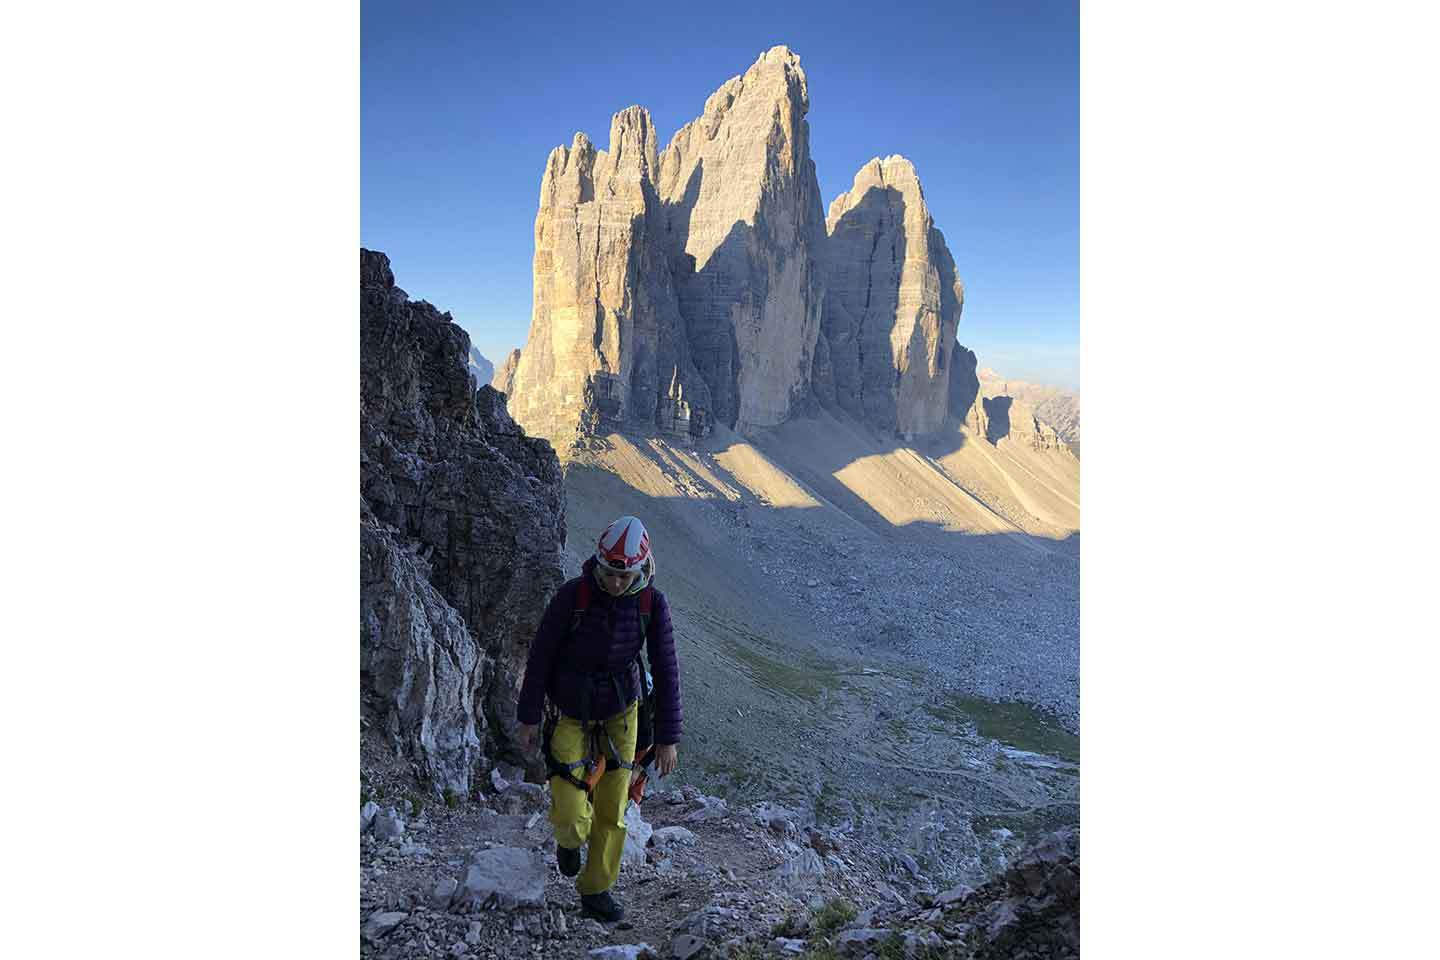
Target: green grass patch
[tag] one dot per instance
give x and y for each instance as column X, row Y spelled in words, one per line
column 833, row 916
column 802, row 677
column 1011, row 722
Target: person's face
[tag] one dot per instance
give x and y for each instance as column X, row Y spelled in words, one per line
column 616, row 583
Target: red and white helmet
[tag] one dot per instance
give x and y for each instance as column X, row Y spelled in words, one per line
column 624, row 546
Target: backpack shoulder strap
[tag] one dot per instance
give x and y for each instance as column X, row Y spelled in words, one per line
column 647, row 597
column 582, row 602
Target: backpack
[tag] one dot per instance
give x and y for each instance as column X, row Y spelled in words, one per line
column 601, row 752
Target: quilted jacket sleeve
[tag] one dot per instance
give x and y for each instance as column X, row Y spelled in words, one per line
column 665, row 669
column 553, row 627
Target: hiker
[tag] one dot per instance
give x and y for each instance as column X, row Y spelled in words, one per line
column 586, row 660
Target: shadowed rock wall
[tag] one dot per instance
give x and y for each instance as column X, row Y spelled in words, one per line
column 462, row 521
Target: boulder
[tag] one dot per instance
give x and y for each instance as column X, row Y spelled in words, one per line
column 799, row 870
column 629, row 951
column 381, row 923
column 672, row 836
column 637, row 835
column 506, row 878
column 686, row 947
column 856, row 943
column 388, row 824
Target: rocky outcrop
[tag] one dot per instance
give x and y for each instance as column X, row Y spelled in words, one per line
column 892, row 302
column 419, row 664
column 462, row 521
column 1032, row 910
column 965, row 390
column 744, row 225
column 1056, row 407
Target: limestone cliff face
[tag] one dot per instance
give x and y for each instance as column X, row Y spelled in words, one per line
column 892, row 302
column 675, row 288
column 744, row 226
column 504, row 380
column 606, row 346
column 704, row 283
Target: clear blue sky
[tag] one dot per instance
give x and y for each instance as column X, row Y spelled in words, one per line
column 462, row 102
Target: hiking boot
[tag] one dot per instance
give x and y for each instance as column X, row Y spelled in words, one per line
column 601, row 906
column 568, row 859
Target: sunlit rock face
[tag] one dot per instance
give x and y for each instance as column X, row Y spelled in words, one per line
column 744, row 226
column 677, row 288
column 703, row 283
column 606, row 346
column 892, row 302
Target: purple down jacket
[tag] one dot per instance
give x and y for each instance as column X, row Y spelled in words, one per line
column 607, row 641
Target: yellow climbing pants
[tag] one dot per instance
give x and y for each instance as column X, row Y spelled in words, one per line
column 602, row 823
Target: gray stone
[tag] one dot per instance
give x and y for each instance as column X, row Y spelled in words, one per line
column 780, row 819
column 414, row 850
column 475, row 933
column 367, row 815
column 380, row 924
column 672, row 836
column 708, row 808
column 854, row 943
column 459, row 949
column 631, row 951
column 533, row 792
column 908, row 862
column 921, row 944
column 504, row 877
column 686, row 947
column 444, row 892
column 388, row 824
column 498, row 782
column 788, row 945
column 637, row 835
column 953, row 895
column 799, row 870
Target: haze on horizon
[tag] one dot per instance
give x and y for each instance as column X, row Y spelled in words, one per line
column 460, row 108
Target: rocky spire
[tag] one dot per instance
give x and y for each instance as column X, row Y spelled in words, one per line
column 892, row 302
column 605, row 322
column 744, row 223
column 678, row 288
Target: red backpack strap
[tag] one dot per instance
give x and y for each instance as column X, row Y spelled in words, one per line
column 582, row 602
column 646, row 597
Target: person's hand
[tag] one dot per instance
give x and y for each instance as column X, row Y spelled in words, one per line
column 665, row 758
column 528, row 737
